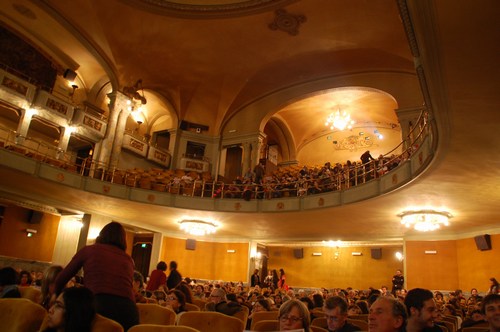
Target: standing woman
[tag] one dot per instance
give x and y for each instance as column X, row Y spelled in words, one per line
column 282, row 281
column 108, row 273
column 495, row 287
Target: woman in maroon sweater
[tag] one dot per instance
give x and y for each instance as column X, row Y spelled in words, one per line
column 108, row 273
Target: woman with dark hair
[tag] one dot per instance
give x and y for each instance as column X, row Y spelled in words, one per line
column 176, row 301
column 158, row 278
column 25, row 279
column 73, row 311
column 494, row 287
column 282, row 280
column 108, row 271
column 188, row 293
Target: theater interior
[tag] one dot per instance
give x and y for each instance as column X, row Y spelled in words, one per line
column 104, row 103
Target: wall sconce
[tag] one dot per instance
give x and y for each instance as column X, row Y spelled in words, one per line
column 399, row 256
column 73, row 87
column 231, row 251
column 30, row 232
column 430, row 252
column 317, row 254
column 357, row 253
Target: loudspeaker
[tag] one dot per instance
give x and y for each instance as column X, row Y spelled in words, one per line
column 298, row 253
column 376, row 253
column 35, row 217
column 190, row 244
column 483, row 242
column 69, row 75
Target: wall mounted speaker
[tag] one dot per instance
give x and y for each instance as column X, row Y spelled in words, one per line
column 35, row 217
column 483, row 242
column 376, row 253
column 298, row 253
column 190, row 244
column 69, row 75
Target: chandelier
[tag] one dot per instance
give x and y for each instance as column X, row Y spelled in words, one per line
column 339, row 120
column 197, row 227
column 425, row 220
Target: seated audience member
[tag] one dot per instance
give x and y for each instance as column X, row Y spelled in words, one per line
column 318, row 300
column 218, row 303
column 491, row 311
column 73, row 311
column 449, row 310
column 474, row 297
column 293, row 315
column 387, row 315
column 354, row 309
column 8, row 283
column 363, row 305
column 176, row 301
column 188, row 293
column 199, row 292
column 138, row 286
column 422, row 311
column 278, row 301
column 158, row 278
column 260, row 305
column 438, row 297
column 25, row 279
column 335, row 309
column 494, row 287
column 475, row 318
column 48, row 284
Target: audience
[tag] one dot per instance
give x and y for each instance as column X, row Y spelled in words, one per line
column 293, row 314
column 8, row 283
column 387, row 315
column 335, row 309
column 491, row 311
column 158, row 278
column 422, row 311
column 48, row 285
column 72, row 311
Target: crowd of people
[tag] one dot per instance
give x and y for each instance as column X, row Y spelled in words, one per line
column 112, row 288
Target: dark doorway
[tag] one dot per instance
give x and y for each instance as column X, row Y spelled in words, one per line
column 233, row 163
column 141, row 253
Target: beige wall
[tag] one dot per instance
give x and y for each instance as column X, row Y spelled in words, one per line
column 210, row 260
column 345, row 271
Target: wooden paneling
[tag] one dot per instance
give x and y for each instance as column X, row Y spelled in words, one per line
column 210, row 260
column 344, row 271
column 15, row 243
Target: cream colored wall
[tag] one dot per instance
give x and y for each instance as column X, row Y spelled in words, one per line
column 346, row 271
column 66, row 240
column 210, row 260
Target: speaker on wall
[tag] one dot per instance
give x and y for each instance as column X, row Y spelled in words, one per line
column 190, row 244
column 35, row 217
column 376, row 253
column 69, row 74
column 298, row 252
column 483, row 242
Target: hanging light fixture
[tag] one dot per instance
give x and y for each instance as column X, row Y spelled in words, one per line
column 425, row 220
column 198, row 227
column 339, row 120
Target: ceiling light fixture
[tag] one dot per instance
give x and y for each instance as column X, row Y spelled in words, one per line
column 339, row 120
column 197, row 227
column 425, row 220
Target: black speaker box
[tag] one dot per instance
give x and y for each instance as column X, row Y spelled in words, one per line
column 35, row 217
column 190, row 244
column 376, row 253
column 298, row 253
column 483, row 242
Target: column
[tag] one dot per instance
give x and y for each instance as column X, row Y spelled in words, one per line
column 119, row 133
column 257, row 146
column 118, row 102
column 247, row 157
column 408, row 118
column 63, row 140
column 24, row 124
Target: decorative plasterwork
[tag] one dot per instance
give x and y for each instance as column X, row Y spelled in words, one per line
column 209, row 10
column 287, row 22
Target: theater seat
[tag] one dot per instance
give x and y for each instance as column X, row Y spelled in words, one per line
column 31, row 293
column 263, row 315
column 208, row 321
column 161, row 328
column 100, row 324
column 20, row 315
column 266, row 325
column 155, row 314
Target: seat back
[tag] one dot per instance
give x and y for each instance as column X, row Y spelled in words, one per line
column 266, row 325
column 20, row 315
column 359, row 317
column 320, row 321
column 161, row 328
column 317, row 329
column 31, row 293
column 150, row 313
column 476, row 329
column 243, row 315
column 207, row 321
column 200, row 303
column 363, row 325
column 191, row 307
column 104, row 324
column 263, row 315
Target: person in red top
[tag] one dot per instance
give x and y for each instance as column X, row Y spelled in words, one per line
column 158, row 278
column 108, row 273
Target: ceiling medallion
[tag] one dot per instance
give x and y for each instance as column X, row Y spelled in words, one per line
column 287, row 22
column 209, row 8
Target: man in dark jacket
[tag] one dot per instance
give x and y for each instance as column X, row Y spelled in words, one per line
column 174, row 278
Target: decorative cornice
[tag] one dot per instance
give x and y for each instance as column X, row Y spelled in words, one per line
column 207, row 11
column 408, row 26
